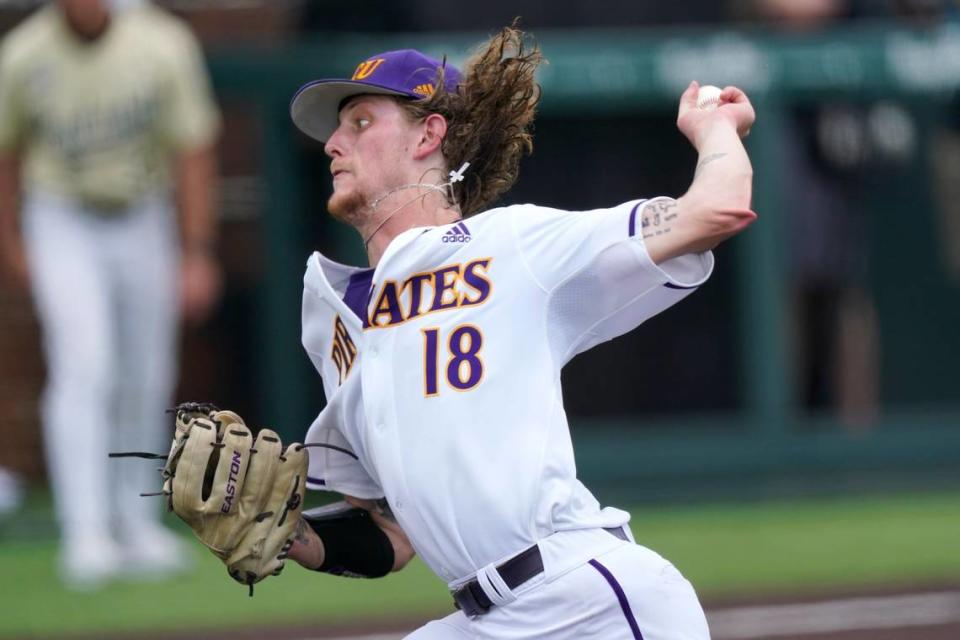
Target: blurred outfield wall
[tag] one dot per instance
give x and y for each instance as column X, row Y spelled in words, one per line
column 703, row 397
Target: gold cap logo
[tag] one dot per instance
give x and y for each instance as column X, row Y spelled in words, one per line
column 365, row 69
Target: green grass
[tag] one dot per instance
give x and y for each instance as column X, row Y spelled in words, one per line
column 810, row 545
column 724, row 550
column 206, row 597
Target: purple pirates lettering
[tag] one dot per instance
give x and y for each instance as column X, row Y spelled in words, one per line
column 388, row 306
column 448, row 287
column 445, row 295
column 344, row 351
column 415, row 285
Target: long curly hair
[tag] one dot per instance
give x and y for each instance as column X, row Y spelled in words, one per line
column 489, row 117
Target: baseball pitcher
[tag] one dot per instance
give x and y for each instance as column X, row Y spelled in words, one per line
column 445, row 428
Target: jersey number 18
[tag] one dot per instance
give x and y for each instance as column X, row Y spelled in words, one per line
column 464, row 368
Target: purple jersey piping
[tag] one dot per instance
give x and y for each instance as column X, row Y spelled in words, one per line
column 633, row 231
column 621, row 597
column 633, row 219
column 670, row 285
column 357, row 294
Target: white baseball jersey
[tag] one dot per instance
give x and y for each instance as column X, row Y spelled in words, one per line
column 441, row 368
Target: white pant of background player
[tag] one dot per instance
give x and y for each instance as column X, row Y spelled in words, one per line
column 593, row 587
column 105, row 292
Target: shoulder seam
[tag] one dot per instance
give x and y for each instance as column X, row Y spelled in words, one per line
column 523, row 257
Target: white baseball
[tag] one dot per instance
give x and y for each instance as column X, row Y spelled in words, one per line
column 708, row 97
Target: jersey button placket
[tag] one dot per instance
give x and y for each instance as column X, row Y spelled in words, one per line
column 376, row 374
column 375, row 369
column 378, row 388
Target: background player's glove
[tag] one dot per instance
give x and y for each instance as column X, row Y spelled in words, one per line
column 242, row 497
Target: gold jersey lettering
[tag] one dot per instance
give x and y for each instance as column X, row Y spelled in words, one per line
column 344, row 351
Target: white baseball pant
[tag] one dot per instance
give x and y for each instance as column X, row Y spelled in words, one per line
column 629, row 593
column 105, row 289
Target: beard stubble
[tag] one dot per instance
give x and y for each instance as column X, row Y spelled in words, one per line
column 347, row 208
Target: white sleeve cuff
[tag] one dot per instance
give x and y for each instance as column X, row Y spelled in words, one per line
column 688, row 271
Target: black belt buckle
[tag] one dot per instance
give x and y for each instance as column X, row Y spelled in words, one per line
column 468, row 602
column 470, row 597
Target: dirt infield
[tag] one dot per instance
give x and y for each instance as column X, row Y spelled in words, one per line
column 917, row 613
column 938, row 632
column 926, row 615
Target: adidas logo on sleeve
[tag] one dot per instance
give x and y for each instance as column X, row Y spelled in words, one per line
column 459, row 233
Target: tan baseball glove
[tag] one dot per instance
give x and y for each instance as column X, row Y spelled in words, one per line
column 242, row 497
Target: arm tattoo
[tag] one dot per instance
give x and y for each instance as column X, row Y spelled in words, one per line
column 300, row 532
column 710, row 158
column 383, row 509
column 658, row 217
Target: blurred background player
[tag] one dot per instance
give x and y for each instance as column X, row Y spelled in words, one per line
column 11, row 491
column 106, row 113
column 829, row 147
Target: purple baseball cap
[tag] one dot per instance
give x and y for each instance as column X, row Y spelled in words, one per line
column 407, row 73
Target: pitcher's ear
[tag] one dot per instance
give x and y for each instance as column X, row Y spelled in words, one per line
column 434, row 130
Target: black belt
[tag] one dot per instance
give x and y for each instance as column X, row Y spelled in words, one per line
column 470, row 597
